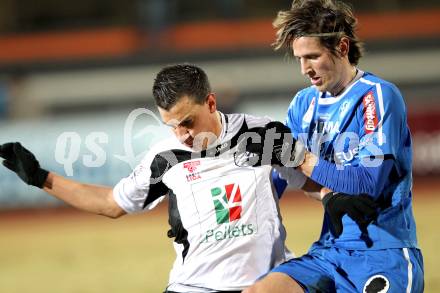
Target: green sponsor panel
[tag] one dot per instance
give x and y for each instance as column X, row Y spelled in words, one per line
column 216, row 191
column 221, row 213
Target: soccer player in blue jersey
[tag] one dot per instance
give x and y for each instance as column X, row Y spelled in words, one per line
column 349, row 134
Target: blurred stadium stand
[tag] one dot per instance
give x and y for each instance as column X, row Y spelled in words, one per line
column 3, row 99
column 82, row 66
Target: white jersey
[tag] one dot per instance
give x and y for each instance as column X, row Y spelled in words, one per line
column 225, row 218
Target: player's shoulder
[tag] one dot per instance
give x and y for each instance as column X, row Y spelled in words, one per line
column 384, row 90
column 236, row 121
column 167, row 144
column 304, row 97
column 162, row 147
column 306, row 94
column 376, row 81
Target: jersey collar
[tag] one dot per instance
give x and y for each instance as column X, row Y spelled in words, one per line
column 327, row 98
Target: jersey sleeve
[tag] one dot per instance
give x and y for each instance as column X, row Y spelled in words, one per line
column 254, row 121
column 143, row 189
column 382, row 119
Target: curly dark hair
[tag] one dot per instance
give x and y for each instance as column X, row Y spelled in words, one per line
column 330, row 20
column 175, row 81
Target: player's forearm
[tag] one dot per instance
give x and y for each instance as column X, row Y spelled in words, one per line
column 348, row 179
column 86, row 197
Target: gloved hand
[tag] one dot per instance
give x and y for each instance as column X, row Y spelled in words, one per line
column 23, row 162
column 361, row 208
column 285, row 150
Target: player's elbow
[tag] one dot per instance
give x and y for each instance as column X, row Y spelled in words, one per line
column 113, row 213
column 111, row 209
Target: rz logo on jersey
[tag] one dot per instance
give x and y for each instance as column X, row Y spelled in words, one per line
column 227, row 203
column 370, row 116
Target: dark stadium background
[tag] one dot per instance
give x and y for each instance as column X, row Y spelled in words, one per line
column 81, row 67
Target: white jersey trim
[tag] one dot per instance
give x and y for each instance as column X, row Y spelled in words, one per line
column 382, row 112
column 332, row 100
column 410, row 276
column 367, row 81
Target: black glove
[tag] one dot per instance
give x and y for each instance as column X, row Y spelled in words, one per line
column 361, row 208
column 285, row 151
column 23, row 162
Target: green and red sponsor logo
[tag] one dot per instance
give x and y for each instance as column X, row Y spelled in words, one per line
column 228, row 207
column 227, row 203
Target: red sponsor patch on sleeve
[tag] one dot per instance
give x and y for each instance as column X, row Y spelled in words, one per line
column 370, row 114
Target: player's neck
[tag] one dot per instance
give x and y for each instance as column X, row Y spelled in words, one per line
column 347, row 78
column 216, row 128
column 218, row 124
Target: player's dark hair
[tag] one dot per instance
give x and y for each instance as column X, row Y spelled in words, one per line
column 175, row 81
column 330, row 20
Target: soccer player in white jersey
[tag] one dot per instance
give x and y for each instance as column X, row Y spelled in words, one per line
column 354, row 127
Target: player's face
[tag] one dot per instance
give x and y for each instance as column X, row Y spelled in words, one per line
column 195, row 125
column 318, row 64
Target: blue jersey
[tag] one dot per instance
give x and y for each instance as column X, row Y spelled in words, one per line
column 360, row 128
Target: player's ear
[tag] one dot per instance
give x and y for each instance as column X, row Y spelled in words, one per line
column 211, row 102
column 343, row 47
